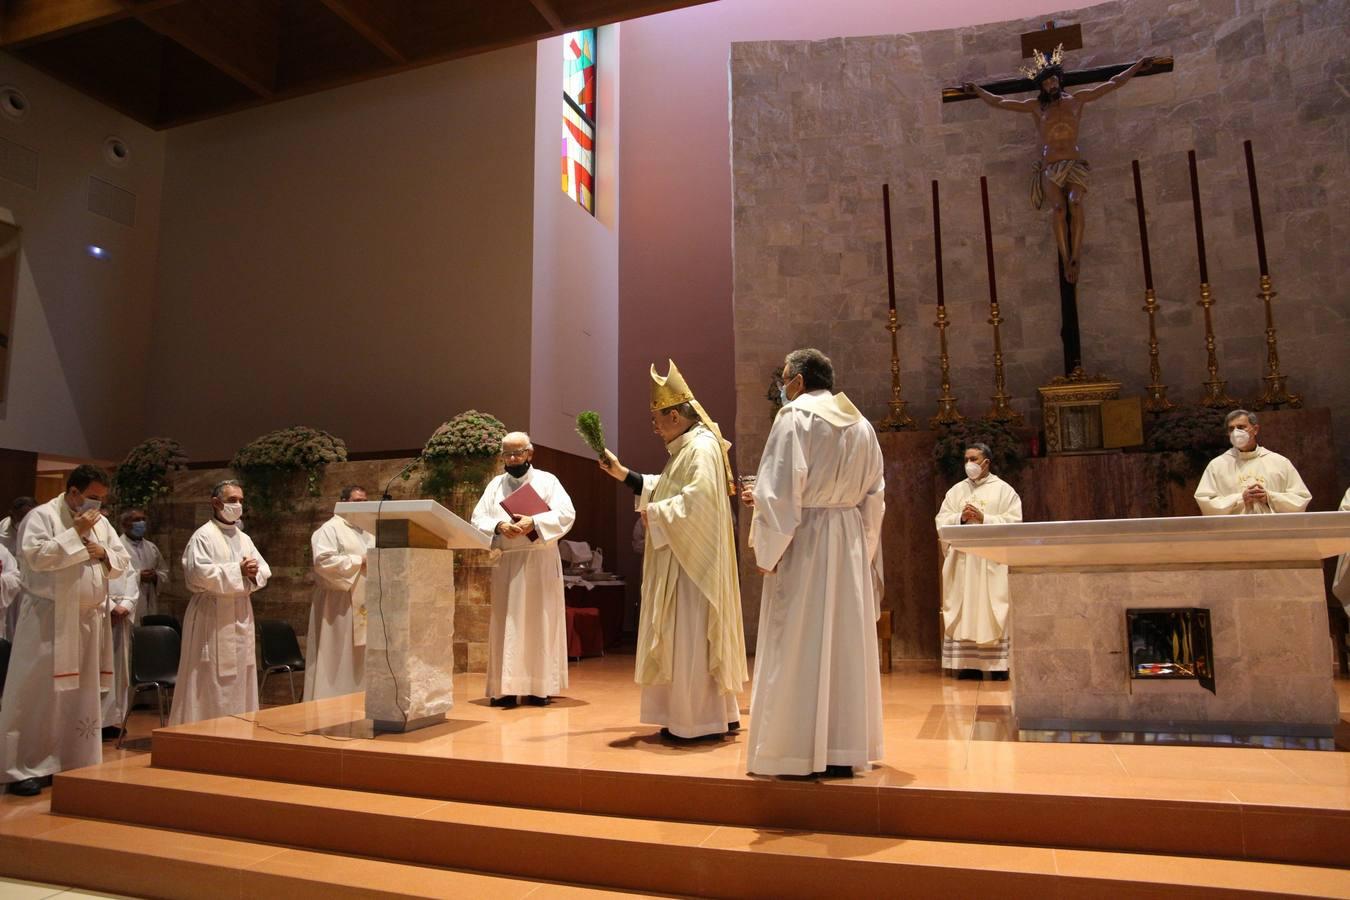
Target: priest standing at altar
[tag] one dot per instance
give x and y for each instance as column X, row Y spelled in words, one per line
column 50, row 715
column 218, row 669
column 819, row 498
column 151, row 568
column 974, row 590
column 335, row 647
column 1249, row 479
column 691, row 643
column 527, row 637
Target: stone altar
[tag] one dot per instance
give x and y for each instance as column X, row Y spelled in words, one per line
column 410, row 599
column 1259, row 577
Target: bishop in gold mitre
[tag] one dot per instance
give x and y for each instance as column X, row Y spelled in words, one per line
column 691, row 643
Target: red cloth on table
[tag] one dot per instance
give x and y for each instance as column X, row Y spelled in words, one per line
column 585, row 635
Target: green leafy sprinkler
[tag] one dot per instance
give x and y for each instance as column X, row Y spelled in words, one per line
column 593, row 433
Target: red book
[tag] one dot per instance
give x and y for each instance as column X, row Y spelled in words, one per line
column 525, row 501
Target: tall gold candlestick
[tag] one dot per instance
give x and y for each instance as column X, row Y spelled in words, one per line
column 1216, row 394
column 1276, row 393
column 1001, row 411
column 947, row 413
column 1157, row 392
column 897, row 419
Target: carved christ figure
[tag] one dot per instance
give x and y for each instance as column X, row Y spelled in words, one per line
column 1061, row 173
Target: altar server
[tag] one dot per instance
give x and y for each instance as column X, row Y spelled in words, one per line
column 974, row 590
column 691, row 643
column 335, row 650
column 150, row 568
column 819, row 498
column 123, row 609
column 9, row 540
column 50, row 716
column 1340, row 585
column 218, row 672
column 527, row 638
column 1249, row 479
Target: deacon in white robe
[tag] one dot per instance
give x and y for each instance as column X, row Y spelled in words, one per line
column 691, row 642
column 50, row 715
column 819, row 498
column 11, row 585
column 124, row 594
column 1340, row 584
column 1249, row 479
column 9, row 540
column 527, row 640
column 151, row 568
column 335, row 650
column 218, row 670
column 975, row 591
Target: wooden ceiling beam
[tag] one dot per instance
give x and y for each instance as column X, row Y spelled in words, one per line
column 374, row 20
column 545, row 9
column 241, row 38
column 29, row 21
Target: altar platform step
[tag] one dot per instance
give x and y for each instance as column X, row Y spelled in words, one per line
column 606, row 851
column 544, row 765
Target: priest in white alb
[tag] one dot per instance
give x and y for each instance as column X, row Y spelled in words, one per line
column 1340, row 582
column 335, row 649
column 1249, row 479
column 975, row 591
column 122, row 608
column 691, row 642
column 218, row 670
column 50, row 715
column 819, row 499
column 527, row 638
column 9, row 540
column 151, row 568
column 11, row 584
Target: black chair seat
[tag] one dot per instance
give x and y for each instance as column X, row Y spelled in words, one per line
column 162, row 619
column 279, row 651
column 154, row 666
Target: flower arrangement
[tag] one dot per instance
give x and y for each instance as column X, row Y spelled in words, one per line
column 143, row 477
column 271, row 466
column 463, row 451
column 1189, row 436
column 1007, row 453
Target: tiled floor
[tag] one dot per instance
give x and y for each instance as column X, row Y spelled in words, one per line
column 12, row 889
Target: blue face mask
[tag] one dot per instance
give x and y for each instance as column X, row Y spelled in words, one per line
column 782, row 396
column 137, row 529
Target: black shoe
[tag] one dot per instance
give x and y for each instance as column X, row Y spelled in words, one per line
column 733, row 727
column 999, row 676
column 533, row 700
column 29, row 787
column 838, row 771
column 503, row 702
column 111, row 732
column 970, row 675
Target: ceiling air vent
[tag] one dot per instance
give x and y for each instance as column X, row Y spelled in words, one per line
column 111, row 202
column 19, row 164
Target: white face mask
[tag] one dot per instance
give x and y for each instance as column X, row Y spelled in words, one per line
column 973, row 470
column 231, row 512
column 1239, row 438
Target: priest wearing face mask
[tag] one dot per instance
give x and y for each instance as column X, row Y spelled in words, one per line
column 217, row 672
column 1249, row 479
column 974, row 590
column 527, row 637
column 151, row 569
column 50, row 716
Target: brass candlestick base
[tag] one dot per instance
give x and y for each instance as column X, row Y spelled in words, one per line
column 1001, row 411
column 947, row 413
column 1216, row 393
column 1276, row 393
column 1157, row 392
column 897, row 419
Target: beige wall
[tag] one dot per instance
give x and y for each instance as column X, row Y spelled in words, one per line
column 81, row 325
column 357, row 260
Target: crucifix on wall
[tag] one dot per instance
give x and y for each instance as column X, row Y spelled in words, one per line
column 1062, row 172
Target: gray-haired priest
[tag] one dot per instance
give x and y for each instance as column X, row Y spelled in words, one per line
column 527, row 638
column 974, row 590
column 819, row 499
column 1249, row 479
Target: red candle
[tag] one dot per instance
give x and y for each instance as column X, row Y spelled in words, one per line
column 937, row 242
column 890, row 258
column 1256, row 209
column 988, row 239
column 1143, row 226
column 1199, row 220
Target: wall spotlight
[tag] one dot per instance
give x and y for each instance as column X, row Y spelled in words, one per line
column 97, row 252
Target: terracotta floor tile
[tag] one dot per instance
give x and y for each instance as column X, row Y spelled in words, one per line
column 1205, row 764
column 1203, row 873
column 299, row 874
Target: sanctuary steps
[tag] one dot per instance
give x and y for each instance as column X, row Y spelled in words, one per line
column 235, row 836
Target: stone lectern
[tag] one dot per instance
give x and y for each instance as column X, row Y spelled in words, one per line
column 410, row 605
column 1205, row 629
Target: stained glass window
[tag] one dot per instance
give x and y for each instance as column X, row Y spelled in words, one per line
column 578, row 126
